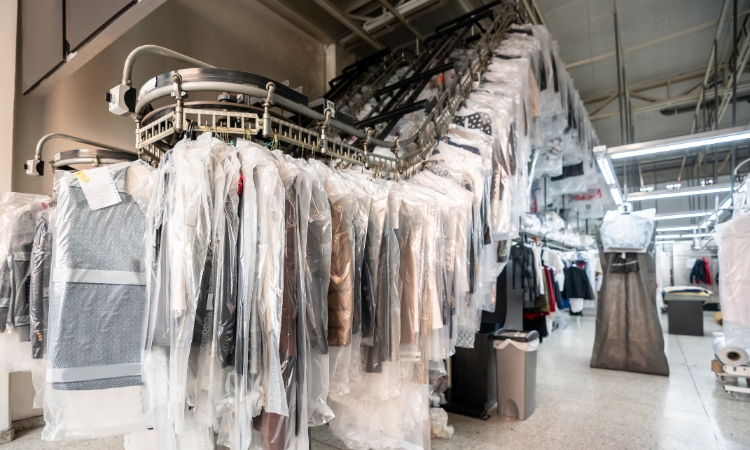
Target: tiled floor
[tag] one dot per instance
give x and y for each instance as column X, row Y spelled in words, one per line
column 583, row 408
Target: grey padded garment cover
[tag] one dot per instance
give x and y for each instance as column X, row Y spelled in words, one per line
column 96, row 323
column 628, row 333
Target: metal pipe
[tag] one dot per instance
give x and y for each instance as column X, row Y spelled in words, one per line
column 127, row 71
column 45, row 139
column 402, row 19
column 100, row 161
column 736, row 169
column 716, row 85
column 349, row 23
column 619, row 76
column 734, row 97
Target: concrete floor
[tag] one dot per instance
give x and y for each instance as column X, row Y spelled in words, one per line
column 579, row 407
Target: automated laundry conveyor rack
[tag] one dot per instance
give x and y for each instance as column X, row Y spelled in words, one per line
column 100, row 155
column 252, row 106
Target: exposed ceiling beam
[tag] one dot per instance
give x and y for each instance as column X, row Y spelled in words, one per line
column 295, row 19
column 351, row 41
column 401, row 19
column 647, row 85
column 343, row 18
column 669, row 102
column 647, row 43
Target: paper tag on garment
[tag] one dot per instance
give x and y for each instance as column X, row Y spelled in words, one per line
column 99, row 188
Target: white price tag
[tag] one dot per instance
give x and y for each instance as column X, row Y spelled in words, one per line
column 99, row 188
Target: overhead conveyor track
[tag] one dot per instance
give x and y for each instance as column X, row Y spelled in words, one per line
column 251, row 106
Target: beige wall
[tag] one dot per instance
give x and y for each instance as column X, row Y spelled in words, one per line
column 237, row 34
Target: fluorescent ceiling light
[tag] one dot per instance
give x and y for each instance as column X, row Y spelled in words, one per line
column 615, row 191
column 680, row 143
column 606, row 167
column 687, row 227
column 682, row 215
column 698, row 190
column 667, row 236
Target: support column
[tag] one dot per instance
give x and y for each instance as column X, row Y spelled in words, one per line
column 8, row 32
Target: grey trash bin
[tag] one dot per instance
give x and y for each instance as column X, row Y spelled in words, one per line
column 516, row 372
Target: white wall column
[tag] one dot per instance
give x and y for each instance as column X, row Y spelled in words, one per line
column 8, row 33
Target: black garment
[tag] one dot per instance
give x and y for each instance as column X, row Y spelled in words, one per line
column 698, row 273
column 524, row 273
column 570, row 171
column 368, row 300
column 226, row 282
column 477, row 121
column 538, row 324
column 625, row 264
column 577, row 284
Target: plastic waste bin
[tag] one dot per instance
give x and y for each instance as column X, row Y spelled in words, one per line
column 516, row 372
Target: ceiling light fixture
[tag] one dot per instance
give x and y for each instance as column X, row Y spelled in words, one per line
column 687, row 227
column 680, row 143
column 615, row 191
column 698, row 190
column 686, row 215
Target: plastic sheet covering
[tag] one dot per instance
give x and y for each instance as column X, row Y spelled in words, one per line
column 97, row 313
column 627, row 232
column 733, row 238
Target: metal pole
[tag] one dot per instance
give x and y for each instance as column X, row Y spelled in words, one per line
column 734, row 98
column 716, row 87
column 619, row 76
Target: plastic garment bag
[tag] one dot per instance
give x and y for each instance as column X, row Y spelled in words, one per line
column 316, row 278
column 733, row 239
column 18, row 215
column 179, row 236
column 211, row 382
column 440, row 249
column 41, row 255
column 627, row 231
column 265, row 384
column 97, row 312
column 344, row 208
column 360, row 222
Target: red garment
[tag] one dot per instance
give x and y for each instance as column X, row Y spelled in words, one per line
column 708, row 271
column 551, row 290
column 534, row 315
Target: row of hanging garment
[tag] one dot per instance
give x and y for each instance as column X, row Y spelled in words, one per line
column 237, row 296
column 538, row 273
column 22, row 289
